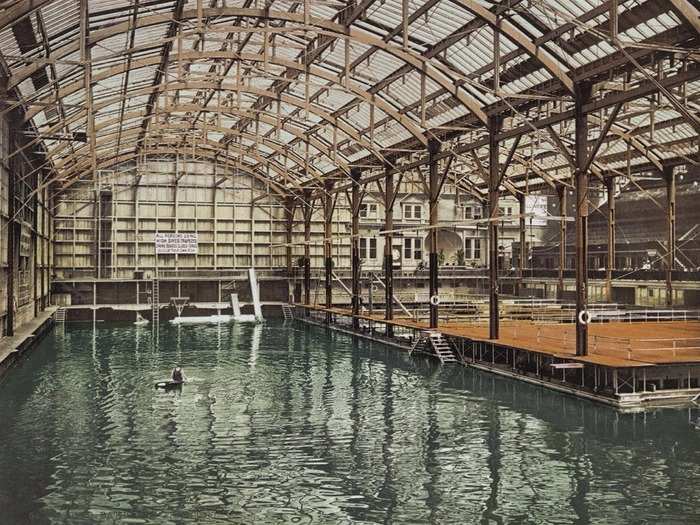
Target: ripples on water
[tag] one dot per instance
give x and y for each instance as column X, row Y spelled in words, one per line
column 286, row 424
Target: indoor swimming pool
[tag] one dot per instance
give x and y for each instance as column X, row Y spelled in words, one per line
column 290, row 423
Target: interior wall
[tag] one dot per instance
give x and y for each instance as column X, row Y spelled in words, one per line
column 183, row 196
column 130, row 205
column 25, row 232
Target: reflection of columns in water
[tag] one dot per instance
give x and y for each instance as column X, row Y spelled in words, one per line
column 581, row 475
column 178, row 344
column 255, row 344
column 137, row 341
column 387, row 491
column 494, row 464
column 94, row 341
column 432, row 444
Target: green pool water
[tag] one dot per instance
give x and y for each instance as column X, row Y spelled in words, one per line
column 294, row 424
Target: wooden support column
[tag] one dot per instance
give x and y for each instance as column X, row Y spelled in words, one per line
column 610, row 265
column 563, row 207
column 355, row 198
column 327, row 237
column 583, row 94
column 434, row 189
column 11, row 240
column 494, row 183
column 523, row 242
column 289, row 208
column 389, row 198
column 671, row 234
column 308, row 213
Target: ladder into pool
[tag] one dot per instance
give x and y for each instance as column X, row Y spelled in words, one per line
column 155, row 303
column 288, row 312
column 59, row 316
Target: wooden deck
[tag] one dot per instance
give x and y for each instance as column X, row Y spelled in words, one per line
column 616, row 344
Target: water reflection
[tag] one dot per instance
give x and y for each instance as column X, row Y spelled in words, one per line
column 282, row 423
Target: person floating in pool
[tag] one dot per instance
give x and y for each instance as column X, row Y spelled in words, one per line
column 178, row 375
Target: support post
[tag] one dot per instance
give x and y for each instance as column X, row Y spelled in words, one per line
column 523, row 241
column 563, row 207
column 389, row 193
column 308, row 213
column 327, row 237
column 434, row 190
column 494, row 183
column 610, row 265
column 583, row 93
column 355, row 175
column 11, row 240
column 289, row 205
column 671, row 234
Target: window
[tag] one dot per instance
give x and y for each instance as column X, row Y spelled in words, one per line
column 412, row 249
column 368, row 248
column 412, row 211
column 467, row 212
column 476, row 212
column 472, row 248
column 368, row 211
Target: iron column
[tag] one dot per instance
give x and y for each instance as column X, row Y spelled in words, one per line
column 434, row 190
column 289, row 205
column 563, row 207
column 494, row 183
column 610, row 265
column 308, row 212
column 11, row 240
column 355, row 174
column 389, row 193
column 671, row 235
column 327, row 237
column 523, row 241
column 583, row 93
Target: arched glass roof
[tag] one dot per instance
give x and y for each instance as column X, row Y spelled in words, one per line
column 302, row 91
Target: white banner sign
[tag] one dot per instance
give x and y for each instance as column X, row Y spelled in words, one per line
column 176, row 243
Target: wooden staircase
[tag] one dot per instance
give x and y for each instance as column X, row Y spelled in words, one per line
column 442, row 348
column 288, row 312
column 434, row 344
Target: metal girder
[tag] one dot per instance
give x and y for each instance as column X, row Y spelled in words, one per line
column 213, row 55
column 688, row 12
column 320, row 146
column 133, row 154
column 79, row 167
column 520, row 39
column 164, row 61
column 104, row 146
column 287, row 99
column 644, row 89
column 439, row 73
column 18, row 11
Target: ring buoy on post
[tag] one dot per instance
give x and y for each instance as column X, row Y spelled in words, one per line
column 584, row 317
column 435, row 300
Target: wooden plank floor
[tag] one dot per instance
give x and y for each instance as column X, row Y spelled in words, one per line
column 614, row 344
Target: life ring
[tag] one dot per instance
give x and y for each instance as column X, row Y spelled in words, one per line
column 584, row 317
column 435, row 300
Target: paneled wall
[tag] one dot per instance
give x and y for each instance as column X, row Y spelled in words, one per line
column 25, row 233
column 240, row 222
column 127, row 208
